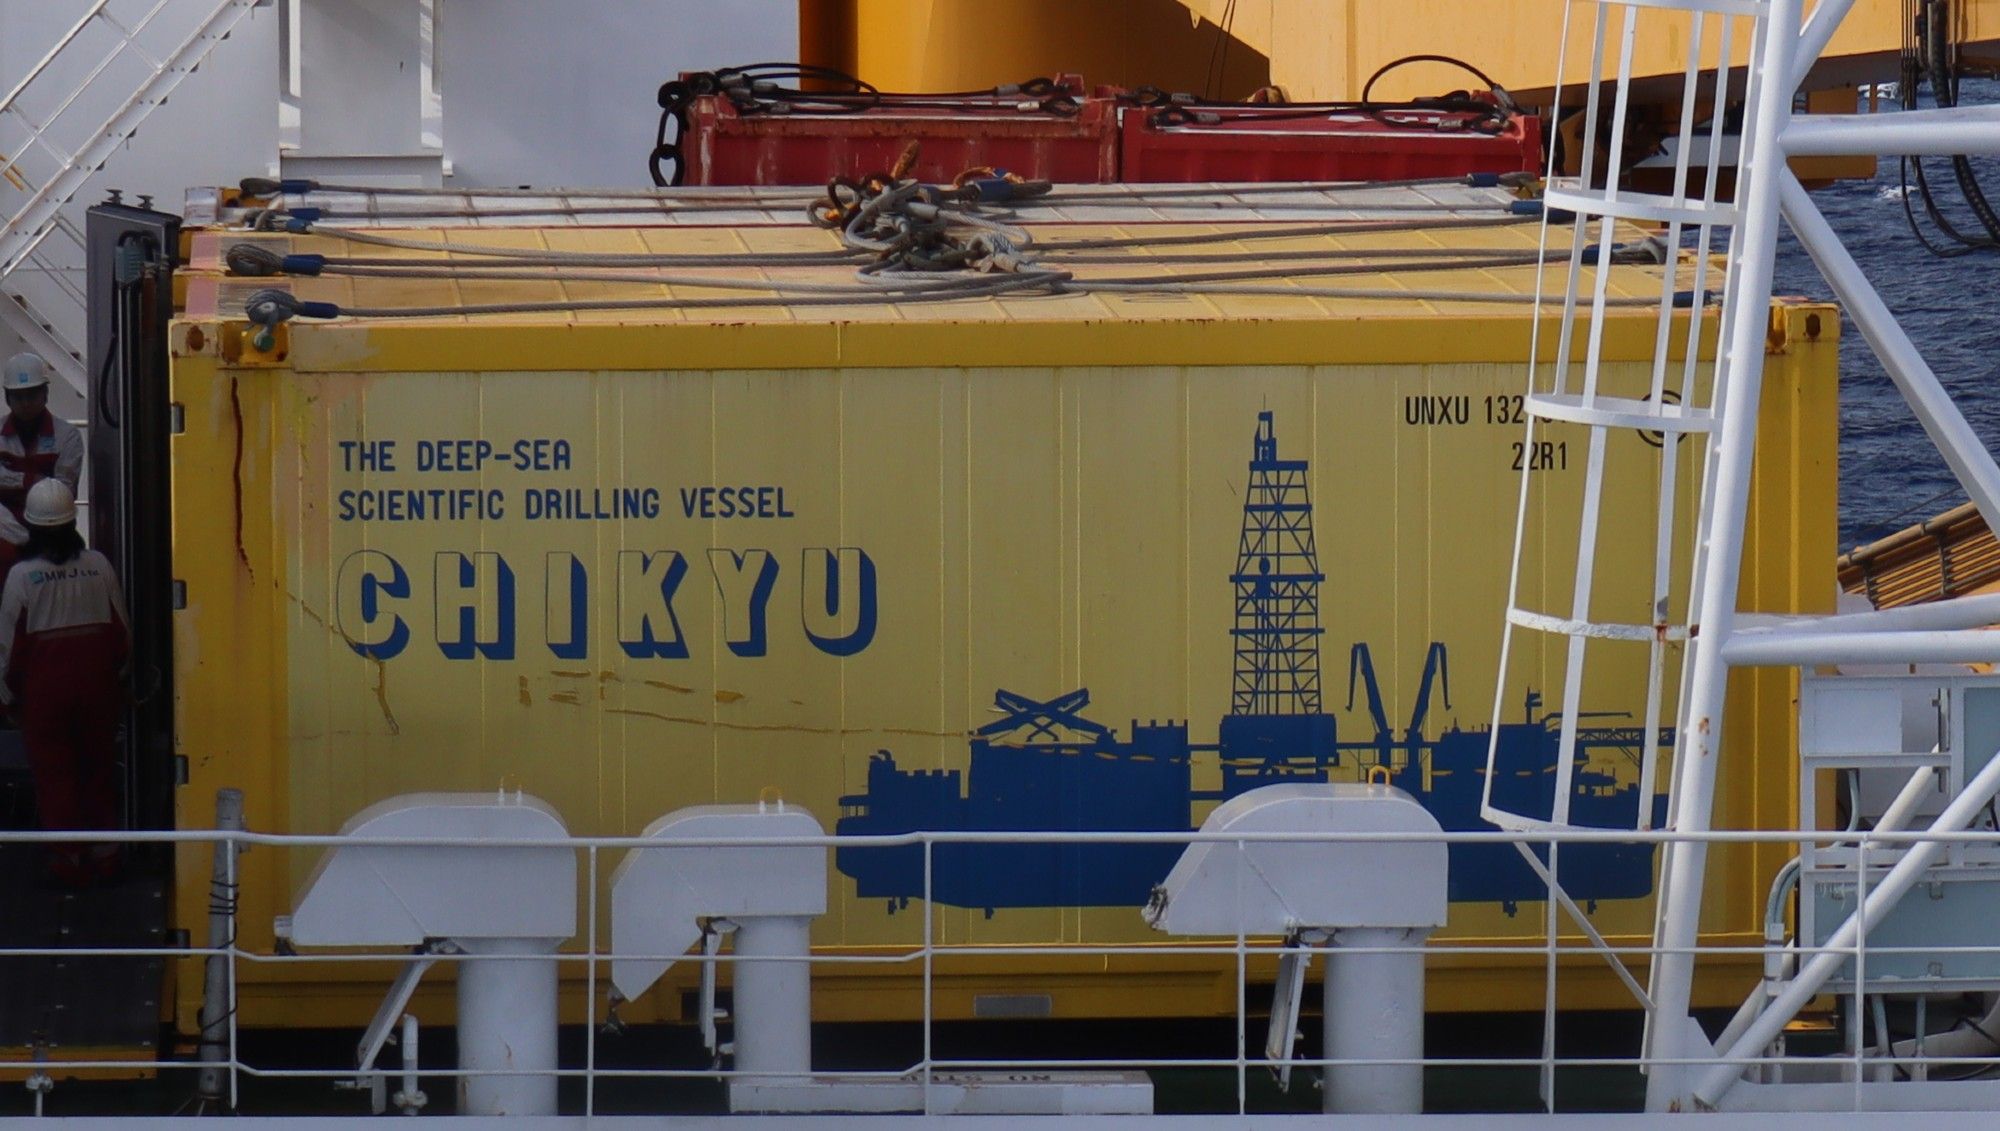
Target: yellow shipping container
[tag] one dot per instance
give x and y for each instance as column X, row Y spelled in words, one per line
column 855, row 556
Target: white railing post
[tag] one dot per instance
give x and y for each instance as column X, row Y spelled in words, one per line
column 217, row 980
column 590, row 987
column 930, row 950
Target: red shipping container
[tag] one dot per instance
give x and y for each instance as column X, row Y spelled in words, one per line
column 1276, row 143
column 723, row 145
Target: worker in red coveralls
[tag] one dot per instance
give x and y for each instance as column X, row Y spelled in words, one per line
column 63, row 650
column 34, row 445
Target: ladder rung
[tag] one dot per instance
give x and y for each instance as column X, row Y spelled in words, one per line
column 62, row 156
column 1595, row 630
column 34, row 127
column 1620, row 412
column 1640, row 207
column 1754, row 9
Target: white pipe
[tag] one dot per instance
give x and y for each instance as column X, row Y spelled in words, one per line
column 1373, row 1008
column 1921, row 785
column 1882, row 899
column 1791, row 649
column 1819, row 29
column 1958, row 1042
column 1746, row 318
column 1961, row 447
column 411, row 1099
column 1912, row 133
column 1977, row 611
column 772, row 1001
column 506, row 1023
column 1747, row 1012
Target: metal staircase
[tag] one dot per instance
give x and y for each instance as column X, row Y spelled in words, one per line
column 52, row 141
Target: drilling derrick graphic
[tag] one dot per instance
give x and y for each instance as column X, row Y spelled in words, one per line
column 1276, row 729
column 1277, row 587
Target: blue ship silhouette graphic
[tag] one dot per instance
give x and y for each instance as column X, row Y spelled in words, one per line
column 1046, row 767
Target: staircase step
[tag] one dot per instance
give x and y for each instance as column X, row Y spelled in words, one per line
column 78, row 1000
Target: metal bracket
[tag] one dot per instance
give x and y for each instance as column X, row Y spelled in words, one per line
column 384, row 1023
column 1287, row 997
column 712, row 933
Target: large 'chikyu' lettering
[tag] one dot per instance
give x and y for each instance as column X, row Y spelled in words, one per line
column 474, row 603
column 474, row 611
column 566, row 600
column 365, row 578
column 837, row 599
column 647, row 624
column 743, row 580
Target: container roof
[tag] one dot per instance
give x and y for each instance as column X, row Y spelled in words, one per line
column 1281, row 286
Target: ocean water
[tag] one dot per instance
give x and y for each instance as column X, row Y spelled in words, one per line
column 1890, row 475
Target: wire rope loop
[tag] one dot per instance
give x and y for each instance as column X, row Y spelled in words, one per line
column 1061, row 105
column 1655, row 437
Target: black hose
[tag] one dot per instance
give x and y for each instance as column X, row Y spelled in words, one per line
column 1935, row 51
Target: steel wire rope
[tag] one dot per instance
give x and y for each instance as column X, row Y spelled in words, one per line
column 756, row 87
column 832, row 257
column 269, row 307
column 1218, row 55
column 264, row 187
column 1384, row 293
column 1488, row 117
column 278, row 306
column 1468, row 263
column 1210, row 199
column 1281, row 256
column 1341, row 205
column 1329, row 228
column 255, row 258
column 1423, row 115
column 271, row 186
column 587, row 258
column 1412, row 260
column 873, row 284
column 960, row 197
column 241, row 264
column 661, row 209
column 1504, row 180
column 524, row 262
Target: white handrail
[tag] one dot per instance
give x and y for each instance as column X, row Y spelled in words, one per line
column 934, row 1068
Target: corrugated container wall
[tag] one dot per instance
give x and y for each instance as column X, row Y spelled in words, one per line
column 633, row 566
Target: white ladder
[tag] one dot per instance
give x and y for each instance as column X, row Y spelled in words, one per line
column 48, row 154
column 1702, row 610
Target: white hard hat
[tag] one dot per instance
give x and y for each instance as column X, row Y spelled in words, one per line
column 25, row 371
column 50, row 503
